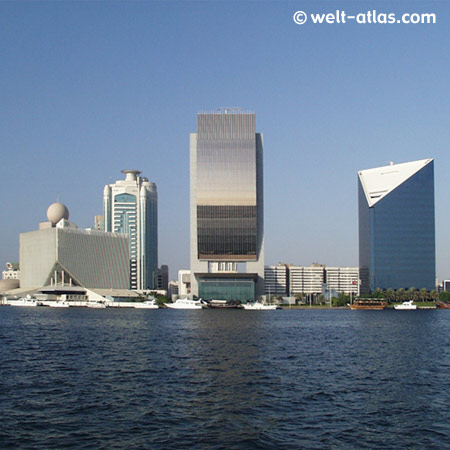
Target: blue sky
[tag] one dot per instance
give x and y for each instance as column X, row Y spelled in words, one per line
column 90, row 88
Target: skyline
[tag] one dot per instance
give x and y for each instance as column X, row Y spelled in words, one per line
column 91, row 89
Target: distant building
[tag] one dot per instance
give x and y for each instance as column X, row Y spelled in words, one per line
column 306, row 280
column 61, row 254
column 184, row 283
column 227, row 206
column 289, row 280
column 99, row 223
column 163, row 277
column 446, row 285
column 173, row 288
column 342, row 279
column 396, row 226
column 276, row 280
column 130, row 207
column 12, row 271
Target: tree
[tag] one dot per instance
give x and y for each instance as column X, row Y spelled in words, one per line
column 341, row 300
column 390, row 295
column 424, row 295
column 445, row 296
column 400, row 295
column 412, row 294
column 161, row 299
column 377, row 293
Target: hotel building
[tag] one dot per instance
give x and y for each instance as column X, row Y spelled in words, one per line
column 131, row 207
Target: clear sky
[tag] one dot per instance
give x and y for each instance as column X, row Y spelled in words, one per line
column 90, row 88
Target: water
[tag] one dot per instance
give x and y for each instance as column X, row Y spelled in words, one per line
column 119, row 378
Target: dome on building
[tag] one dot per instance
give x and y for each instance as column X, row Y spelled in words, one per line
column 56, row 212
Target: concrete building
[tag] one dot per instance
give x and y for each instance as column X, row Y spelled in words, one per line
column 289, row 280
column 61, row 254
column 306, row 280
column 396, row 226
column 130, row 207
column 99, row 223
column 173, row 289
column 227, row 231
column 12, row 271
column 276, row 279
column 342, row 279
column 184, row 283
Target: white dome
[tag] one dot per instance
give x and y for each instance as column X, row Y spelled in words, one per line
column 56, row 212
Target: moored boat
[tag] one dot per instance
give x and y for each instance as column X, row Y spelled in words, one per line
column 185, row 303
column 368, row 304
column 224, row 304
column 95, row 305
column 257, row 306
column 23, row 302
column 443, row 305
column 59, row 304
column 406, row 306
column 148, row 304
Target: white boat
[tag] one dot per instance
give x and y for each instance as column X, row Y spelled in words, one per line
column 59, row 304
column 95, row 305
column 185, row 303
column 148, row 304
column 23, row 302
column 257, row 306
column 406, row 306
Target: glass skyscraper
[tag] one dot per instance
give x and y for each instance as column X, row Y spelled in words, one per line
column 227, row 206
column 396, row 226
column 131, row 207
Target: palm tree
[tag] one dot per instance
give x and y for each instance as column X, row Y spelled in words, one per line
column 377, row 293
column 423, row 294
column 412, row 293
column 390, row 295
column 400, row 295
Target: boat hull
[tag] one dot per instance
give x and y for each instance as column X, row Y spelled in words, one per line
column 368, row 305
column 259, row 307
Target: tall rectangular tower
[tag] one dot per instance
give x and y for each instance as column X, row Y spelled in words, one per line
column 227, row 206
column 396, row 226
column 131, row 207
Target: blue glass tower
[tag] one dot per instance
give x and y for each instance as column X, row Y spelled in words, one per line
column 396, row 226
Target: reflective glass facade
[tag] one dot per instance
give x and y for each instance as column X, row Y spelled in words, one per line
column 131, row 207
column 242, row 289
column 397, row 235
column 226, row 187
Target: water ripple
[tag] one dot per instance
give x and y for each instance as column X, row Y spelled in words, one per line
column 118, row 379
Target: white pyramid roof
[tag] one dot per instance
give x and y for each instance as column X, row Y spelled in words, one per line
column 381, row 181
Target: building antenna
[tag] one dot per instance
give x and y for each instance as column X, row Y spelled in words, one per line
column 57, row 197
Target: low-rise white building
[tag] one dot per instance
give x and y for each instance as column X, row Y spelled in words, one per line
column 276, row 280
column 342, row 279
column 306, row 280
column 184, row 283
